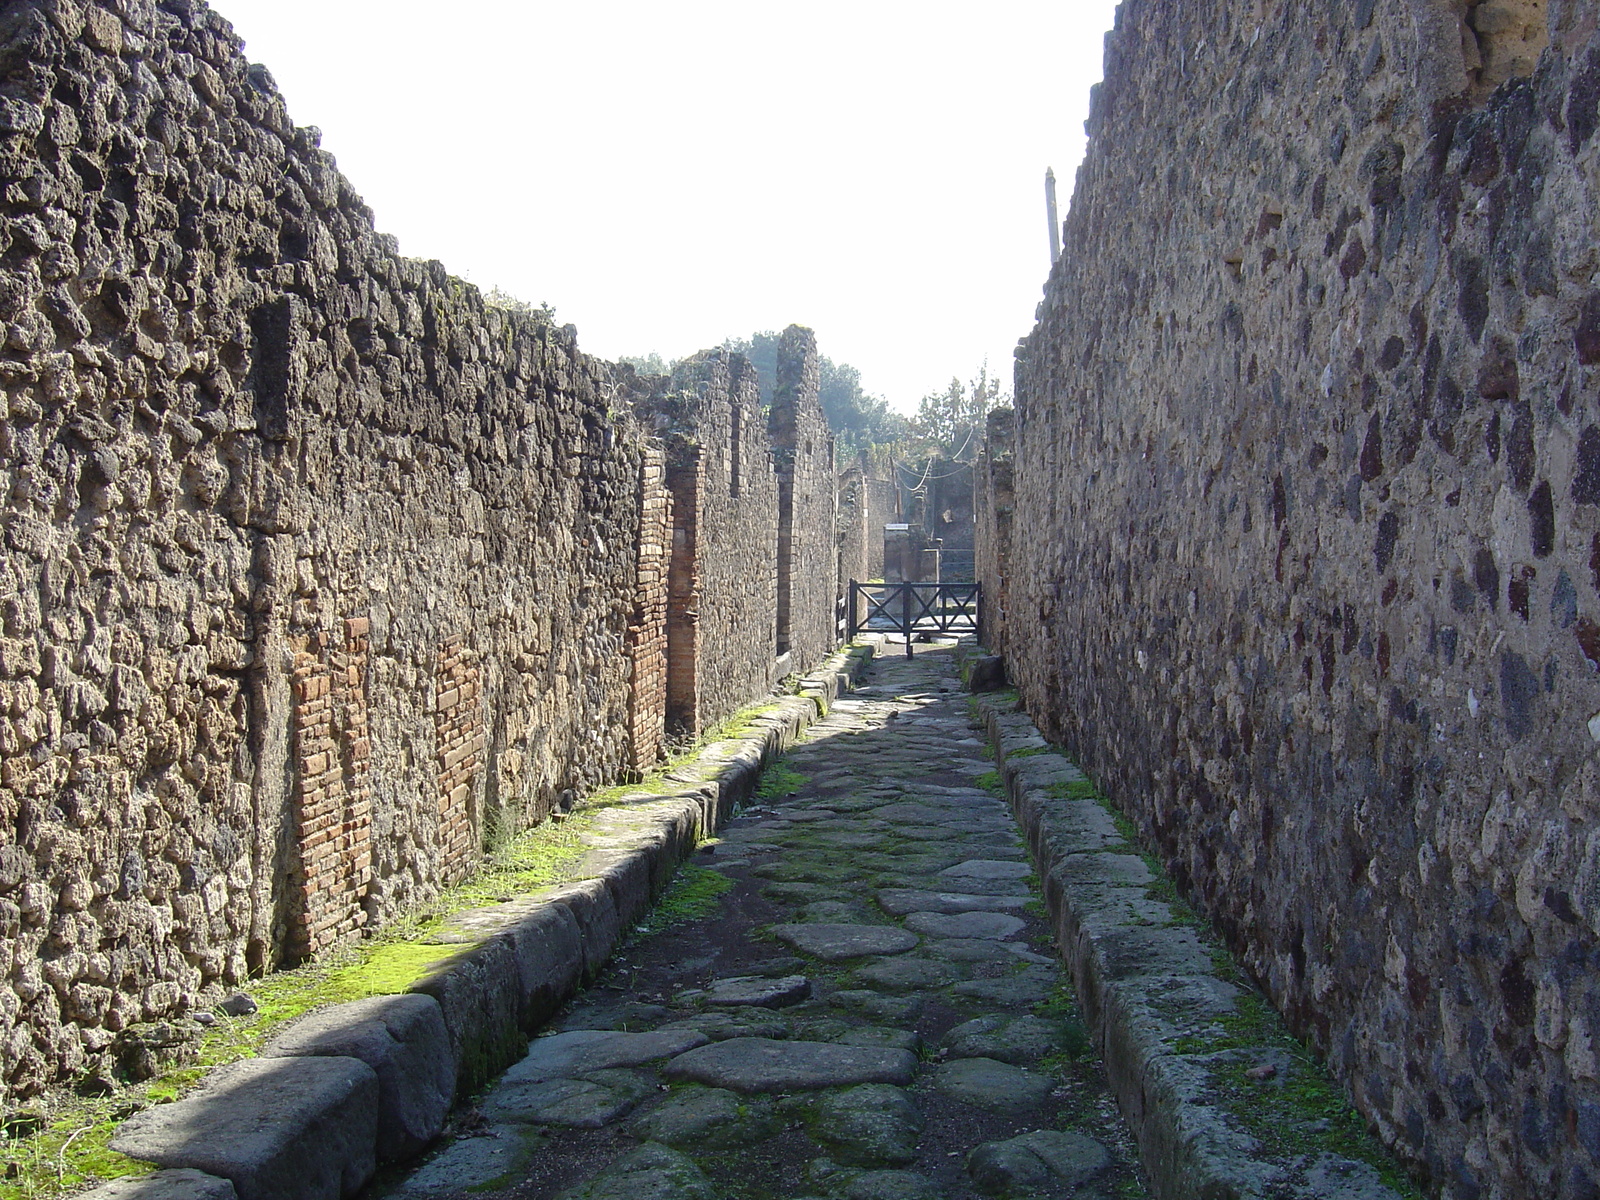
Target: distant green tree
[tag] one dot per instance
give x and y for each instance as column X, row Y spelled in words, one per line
column 952, row 421
column 649, row 364
column 858, row 419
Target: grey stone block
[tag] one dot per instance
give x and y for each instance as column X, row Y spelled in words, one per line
column 404, row 1040
column 547, row 945
column 626, row 874
column 592, row 906
column 182, row 1183
column 480, row 993
column 276, row 1128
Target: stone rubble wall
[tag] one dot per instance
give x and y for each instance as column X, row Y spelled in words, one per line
column 993, row 507
column 883, row 508
column 721, row 632
column 321, row 576
column 802, row 448
column 1306, row 568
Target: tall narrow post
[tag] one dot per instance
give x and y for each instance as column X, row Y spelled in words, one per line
column 905, row 613
column 1050, row 211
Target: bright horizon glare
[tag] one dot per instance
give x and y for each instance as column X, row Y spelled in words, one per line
column 667, row 176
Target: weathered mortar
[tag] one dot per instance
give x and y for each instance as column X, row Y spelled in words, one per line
column 1306, row 563
column 320, row 575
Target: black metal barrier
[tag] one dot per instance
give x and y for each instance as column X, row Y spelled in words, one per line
column 910, row 609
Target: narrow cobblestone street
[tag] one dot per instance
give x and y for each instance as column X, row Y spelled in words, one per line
column 872, row 1010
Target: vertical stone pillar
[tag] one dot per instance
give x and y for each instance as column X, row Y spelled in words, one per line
column 993, row 502
column 802, row 452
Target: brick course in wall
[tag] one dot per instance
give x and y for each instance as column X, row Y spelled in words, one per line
column 1303, row 564
column 647, row 629
column 459, row 742
column 333, row 797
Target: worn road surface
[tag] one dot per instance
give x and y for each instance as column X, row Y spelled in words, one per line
column 872, row 1011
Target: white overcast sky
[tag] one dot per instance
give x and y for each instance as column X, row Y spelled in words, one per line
column 668, row 175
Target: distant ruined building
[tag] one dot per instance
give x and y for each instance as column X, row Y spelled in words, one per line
column 319, row 571
column 1295, row 541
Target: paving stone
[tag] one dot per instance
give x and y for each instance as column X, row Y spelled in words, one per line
column 970, row 949
column 766, row 1065
column 873, row 1125
column 593, row 1102
column 492, row 1156
column 182, row 1183
column 969, row 884
column 905, row 974
column 1011, row 1039
column 875, row 1035
column 901, row 901
column 567, row 1055
column 837, row 912
column 895, row 1010
column 650, row 1172
column 996, row 925
column 885, row 1185
column 1029, row 986
column 909, row 812
column 987, row 868
column 834, row 942
column 992, row 1085
column 1045, row 1163
column 695, row 1117
column 404, row 1040
column 720, row 1026
column 754, row 991
column 276, row 1128
column 623, row 1016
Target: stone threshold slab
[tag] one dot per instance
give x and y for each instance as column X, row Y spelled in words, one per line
column 408, row 1057
column 1152, row 996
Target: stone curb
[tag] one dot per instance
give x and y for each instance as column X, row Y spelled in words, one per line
column 472, row 1015
column 1147, row 986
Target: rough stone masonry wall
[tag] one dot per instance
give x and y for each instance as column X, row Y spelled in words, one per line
column 802, row 449
column 722, row 595
column 318, row 573
column 853, row 528
column 1307, row 561
column 993, row 506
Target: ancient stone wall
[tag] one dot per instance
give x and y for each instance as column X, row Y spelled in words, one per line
column 883, row 508
column 321, row 575
column 721, row 627
column 853, row 528
column 993, row 505
column 802, row 449
column 1307, row 553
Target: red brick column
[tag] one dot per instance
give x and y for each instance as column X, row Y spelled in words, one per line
column 333, row 796
column 460, row 741
column 647, row 630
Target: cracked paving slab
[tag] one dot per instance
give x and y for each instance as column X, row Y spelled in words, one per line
column 873, row 1010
